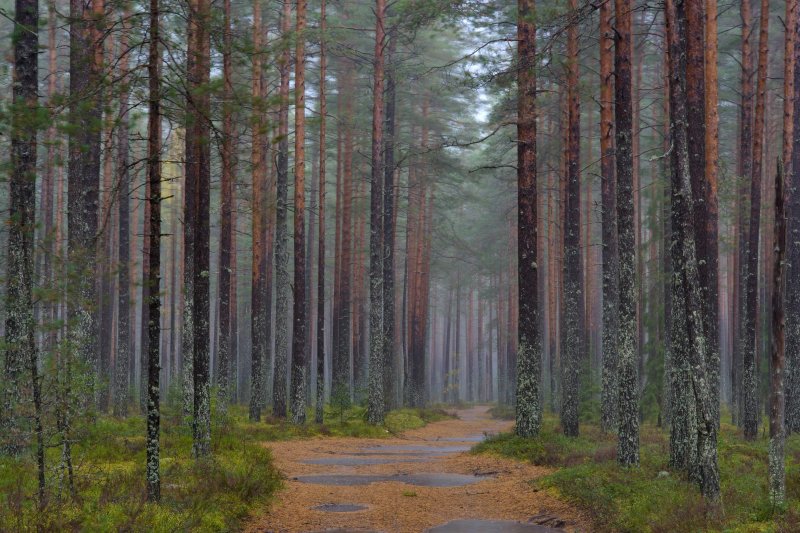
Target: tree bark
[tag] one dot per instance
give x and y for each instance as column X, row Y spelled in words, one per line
column 628, row 444
column 792, row 305
column 228, row 153
column 573, row 287
column 197, row 244
column 704, row 189
column 85, row 110
column 608, row 191
column 712, row 208
column 377, row 360
column 282, row 284
column 687, row 292
column 298, row 378
column 19, row 336
column 777, row 398
column 323, row 111
column 341, row 366
column 745, row 173
column 122, row 362
column 777, row 405
column 259, row 298
column 153, row 281
column 749, row 349
column 389, row 215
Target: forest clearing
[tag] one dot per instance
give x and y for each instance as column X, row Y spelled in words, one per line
column 400, row 265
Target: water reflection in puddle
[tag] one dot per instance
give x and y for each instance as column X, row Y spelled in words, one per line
column 421, row 479
column 359, row 461
column 339, row 507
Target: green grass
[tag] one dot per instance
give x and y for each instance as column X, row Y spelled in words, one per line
column 217, row 494
column 650, row 498
column 502, row 412
column 351, row 423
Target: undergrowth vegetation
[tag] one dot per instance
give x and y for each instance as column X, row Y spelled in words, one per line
column 352, row 422
column 109, row 494
column 652, row 498
column 216, row 494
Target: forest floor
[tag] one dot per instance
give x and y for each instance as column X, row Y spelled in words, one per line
column 497, row 488
column 652, row 498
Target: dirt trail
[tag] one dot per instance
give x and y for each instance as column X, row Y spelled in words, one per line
column 500, row 490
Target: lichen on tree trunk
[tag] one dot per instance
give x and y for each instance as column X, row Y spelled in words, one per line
column 529, row 356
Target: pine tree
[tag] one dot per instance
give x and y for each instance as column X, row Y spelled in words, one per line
column 745, row 172
column 750, row 414
column 153, row 252
column 628, row 444
column 258, row 294
column 777, row 398
column 792, row 371
column 124, row 352
column 323, row 110
column 85, row 118
column 21, row 356
column 610, row 394
column 279, row 395
column 572, row 326
column 377, row 360
column 697, row 449
column 226, row 218
column 299, row 329
column 389, row 218
column 197, row 186
column 528, row 413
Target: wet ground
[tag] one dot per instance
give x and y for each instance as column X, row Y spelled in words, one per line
column 424, row 480
column 427, row 479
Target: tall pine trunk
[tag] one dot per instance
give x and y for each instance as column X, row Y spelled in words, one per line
column 745, row 172
column 628, row 444
column 279, row 393
column 85, row 116
column 750, row 413
column 341, row 357
column 572, row 326
column 377, row 361
column 777, row 398
column 124, row 352
column 792, row 370
column 153, row 258
column 21, row 355
column 389, row 215
column 198, row 173
column 690, row 352
column 608, row 191
column 226, row 232
column 298, row 379
column 259, row 298
column 323, row 110
column 529, row 359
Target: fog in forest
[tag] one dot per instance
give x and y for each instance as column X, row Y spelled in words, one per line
column 297, row 265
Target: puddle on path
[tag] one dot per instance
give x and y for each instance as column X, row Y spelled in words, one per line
column 470, row 438
column 421, row 480
column 398, row 454
column 417, row 448
column 358, row 461
column 490, row 526
column 340, row 507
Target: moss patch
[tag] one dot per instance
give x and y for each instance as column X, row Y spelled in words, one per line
column 651, row 498
column 216, row 494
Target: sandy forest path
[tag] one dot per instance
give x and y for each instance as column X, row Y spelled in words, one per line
column 421, row 479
